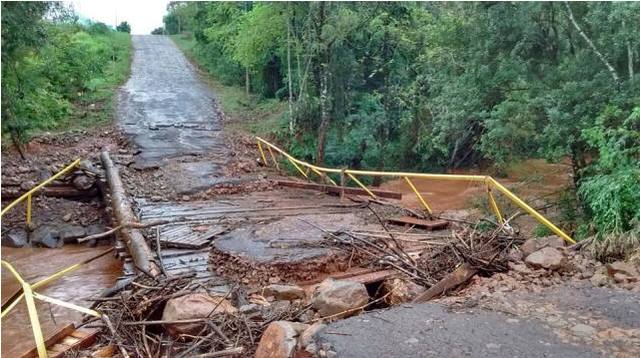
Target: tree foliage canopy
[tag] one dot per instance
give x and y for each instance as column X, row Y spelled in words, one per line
column 443, row 85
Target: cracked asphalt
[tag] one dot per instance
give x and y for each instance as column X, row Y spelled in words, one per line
column 169, row 113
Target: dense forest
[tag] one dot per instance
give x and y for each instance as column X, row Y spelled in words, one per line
column 57, row 71
column 436, row 86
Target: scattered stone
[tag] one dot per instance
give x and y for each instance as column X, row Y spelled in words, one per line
column 195, row 305
column 412, row 340
column 27, row 185
column 492, row 346
column 515, row 255
column 66, row 217
column 337, row 296
column 532, row 245
column 15, row 238
column 284, row 292
column 582, row 330
column 69, row 233
column 279, row 340
column 249, row 308
column 47, row 236
column 186, row 198
column 548, row 258
column 44, row 174
column 83, row 182
column 400, row 291
column 622, row 272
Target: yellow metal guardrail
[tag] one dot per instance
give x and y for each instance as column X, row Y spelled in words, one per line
column 28, row 292
column 27, row 196
column 488, row 181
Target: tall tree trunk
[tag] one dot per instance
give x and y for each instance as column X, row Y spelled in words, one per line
column 324, row 112
column 247, row 82
column 629, row 53
column 604, row 61
column 291, row 117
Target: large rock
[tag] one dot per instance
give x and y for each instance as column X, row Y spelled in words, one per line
column 195, row 305
column 69, row 233
column 15, row 238
column 279, row 340
column 47, row 236
column 284, row 292
column 398, row 291
column 532, row 245
column 548, row 258
column 337, row 296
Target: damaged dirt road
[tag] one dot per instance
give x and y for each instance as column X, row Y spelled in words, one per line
column 249, row 268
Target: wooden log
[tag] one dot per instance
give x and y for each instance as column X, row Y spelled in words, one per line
column 449, row 282
column 133, row 238
column 65, row 191
column 339, row 190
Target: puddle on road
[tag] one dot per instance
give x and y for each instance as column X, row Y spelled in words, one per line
column 37, row 263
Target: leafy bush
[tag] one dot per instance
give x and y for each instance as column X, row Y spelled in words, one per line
column 46, row 81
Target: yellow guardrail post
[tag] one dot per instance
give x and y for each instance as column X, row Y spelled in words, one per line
column 264, row 158
column 28, row 194
column 273, row 158
column 494, row 205
column 29, row 210
column 360, row 184
column 531, row 211
column 422, row 201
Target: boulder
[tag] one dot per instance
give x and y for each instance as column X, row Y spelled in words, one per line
column 194, row 305
column 47, row 236
column 280, row 340
column 532, row 245
column 284, row 292
column 337, row 296
column 400, row 291
column 69, row 233
column 548, row 258
column 15, row 238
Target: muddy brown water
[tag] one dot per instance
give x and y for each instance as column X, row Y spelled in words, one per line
column 34, row 264
column 531, row 179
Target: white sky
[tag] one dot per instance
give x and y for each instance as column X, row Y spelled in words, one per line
column 142, row 15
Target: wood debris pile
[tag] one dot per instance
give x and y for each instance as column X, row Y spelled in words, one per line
column 139, row 329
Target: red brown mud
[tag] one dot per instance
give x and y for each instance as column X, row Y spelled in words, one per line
column 37, row 263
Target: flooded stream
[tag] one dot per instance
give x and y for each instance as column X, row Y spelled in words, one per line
column 37, row 263
column 532, row 179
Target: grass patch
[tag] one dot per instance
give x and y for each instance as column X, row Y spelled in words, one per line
column 96, row 106
column 247, row 112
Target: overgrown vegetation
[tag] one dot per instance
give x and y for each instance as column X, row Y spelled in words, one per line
column 428, row 86
column 56, row 71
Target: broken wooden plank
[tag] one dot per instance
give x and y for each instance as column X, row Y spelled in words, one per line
column 425, row 224
column 51, row 340
column 339, row 189
column 448, row 283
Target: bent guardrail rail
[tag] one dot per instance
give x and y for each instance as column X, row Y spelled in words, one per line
column 488, row 181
